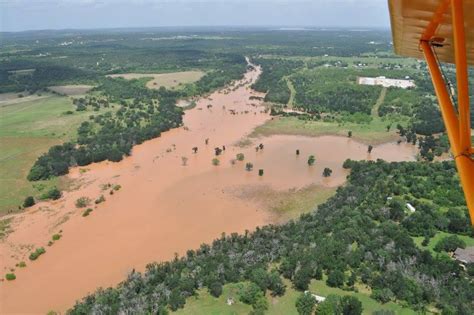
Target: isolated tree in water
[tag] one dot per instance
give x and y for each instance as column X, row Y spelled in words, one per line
column 184, row 160
column 195, row 149
column 297, row 152
column 249, row 166
column 327, row 172
column 311, row 160
column 370, row 148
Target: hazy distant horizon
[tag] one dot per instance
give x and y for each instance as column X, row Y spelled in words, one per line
column 40, row 15
column 207, row 28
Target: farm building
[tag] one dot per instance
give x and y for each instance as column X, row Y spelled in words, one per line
column 385, row 82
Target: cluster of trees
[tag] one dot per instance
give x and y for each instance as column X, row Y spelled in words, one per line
column 39, row 76
column 333, row 90
column 273, row 79
column 358, row 235
column 110, row 136
column 93, row 101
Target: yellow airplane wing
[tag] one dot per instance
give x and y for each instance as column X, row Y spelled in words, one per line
column 413, row 20
column 443, row 31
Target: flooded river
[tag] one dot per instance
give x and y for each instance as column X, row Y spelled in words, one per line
column 171, row 200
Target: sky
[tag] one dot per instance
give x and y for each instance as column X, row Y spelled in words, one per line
column 21, row 15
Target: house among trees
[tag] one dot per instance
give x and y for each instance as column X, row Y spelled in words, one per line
column 464, row 255
column 318, row 298
column 411, row 208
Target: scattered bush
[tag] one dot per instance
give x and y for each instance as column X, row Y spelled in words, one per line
column 83, row 202
column 87, row 212
column 53, row 194
column 21, row 264
column 100, row 199
column 38, row 252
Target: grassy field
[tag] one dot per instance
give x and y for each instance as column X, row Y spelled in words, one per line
column 28, row 129
column 435, row 239
column 204, row 303
column 372, row 133
column 168, row 80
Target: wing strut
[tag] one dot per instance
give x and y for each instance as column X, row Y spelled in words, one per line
column 458, row 125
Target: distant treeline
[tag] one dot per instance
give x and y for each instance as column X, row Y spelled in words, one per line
column 361, row 235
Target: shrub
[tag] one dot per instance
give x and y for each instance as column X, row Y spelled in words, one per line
column 10, row 276
column 240, row 156
column 83, row 202
column 29, row 201
column 117, row 187
column 215, row 289
column 100, row 199
column 56, row 237
column 21, row 264
column 38, row 252
column 53, row 194
column 250, row 293
column 87, row 212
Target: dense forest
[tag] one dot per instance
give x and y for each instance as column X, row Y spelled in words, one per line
column 361, row 235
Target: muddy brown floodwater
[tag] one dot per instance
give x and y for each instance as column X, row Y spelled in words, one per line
column 165, row 207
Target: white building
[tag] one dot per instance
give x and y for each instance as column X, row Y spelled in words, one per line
column 410, row 207
column 385, row 82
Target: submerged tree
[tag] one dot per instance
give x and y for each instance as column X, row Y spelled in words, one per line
column 184, row 160
column 311, row 160
column 327, row 172
column 370, row 148
column 249, row 166
column 215, row 161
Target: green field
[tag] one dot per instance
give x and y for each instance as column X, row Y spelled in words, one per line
column 374, row 132
column 204, row 303
column 435, row 239
column 28, row 129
